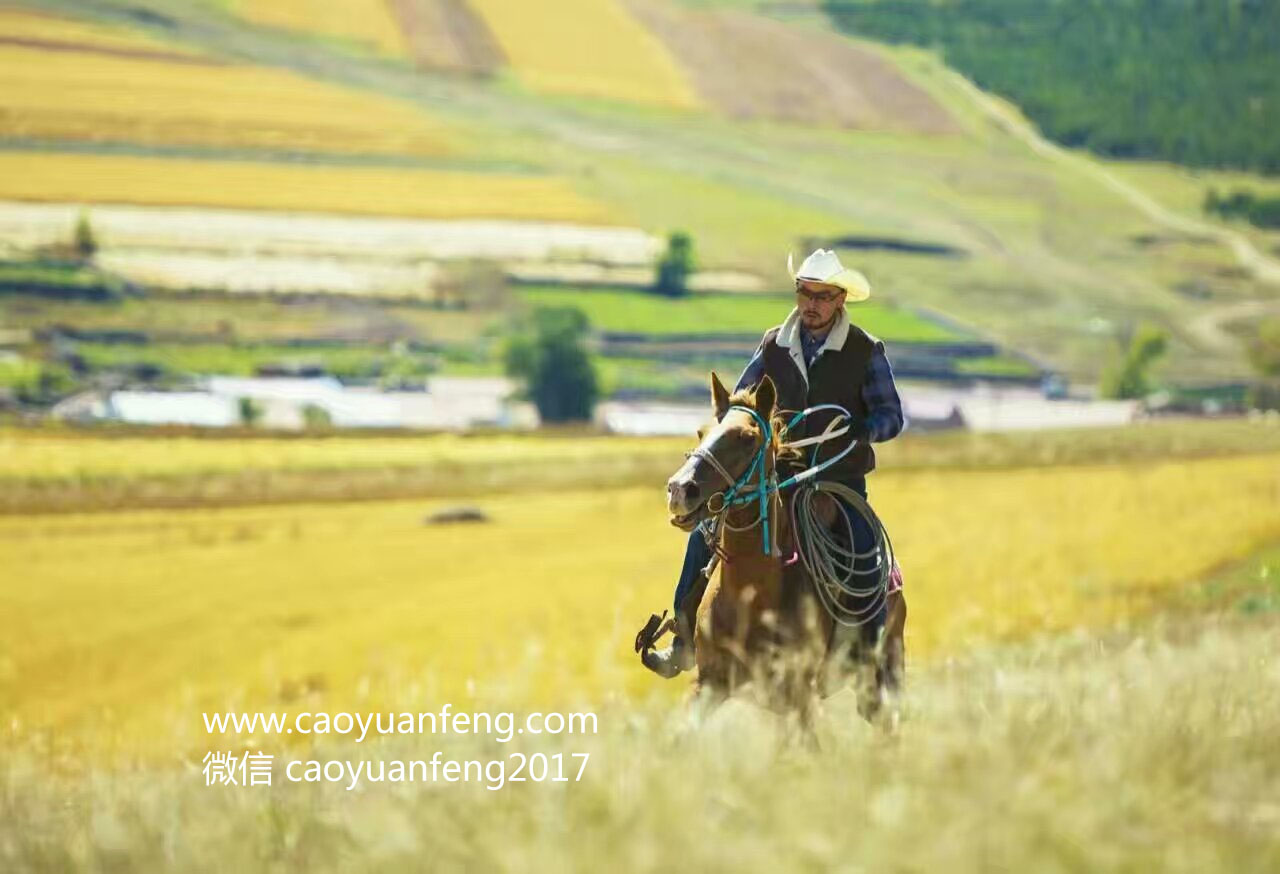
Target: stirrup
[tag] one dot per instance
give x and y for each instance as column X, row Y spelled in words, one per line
column 653, row 631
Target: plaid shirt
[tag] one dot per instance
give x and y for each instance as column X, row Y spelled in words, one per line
column 885, row 419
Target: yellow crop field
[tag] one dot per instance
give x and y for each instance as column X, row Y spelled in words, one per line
column 28, row 24
column 367, row 22
column 26, row 453
column 593, row 48
column 73, row 178
column 117, row 621
column 92, row 97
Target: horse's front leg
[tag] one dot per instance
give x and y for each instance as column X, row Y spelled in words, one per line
column 891, row 661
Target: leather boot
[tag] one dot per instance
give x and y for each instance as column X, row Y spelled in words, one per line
column 674, row 660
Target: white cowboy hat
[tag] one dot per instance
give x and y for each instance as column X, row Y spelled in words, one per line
column 823, row 266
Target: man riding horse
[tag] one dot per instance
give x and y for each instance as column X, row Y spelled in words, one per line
column 816, row 356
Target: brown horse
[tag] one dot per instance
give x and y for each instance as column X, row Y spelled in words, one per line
column 760, row 622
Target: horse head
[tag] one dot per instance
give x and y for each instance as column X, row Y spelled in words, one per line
column 726, row 451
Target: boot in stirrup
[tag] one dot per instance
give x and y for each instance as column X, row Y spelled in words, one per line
column 670, row 661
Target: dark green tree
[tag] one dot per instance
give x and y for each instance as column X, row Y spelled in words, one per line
column 1264, row 355
column 1130, row 376
column 549, row 356
column 250, row 411
column 675, row 266
column 83, row 241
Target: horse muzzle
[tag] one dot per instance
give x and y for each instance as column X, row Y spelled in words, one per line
column 685, row 501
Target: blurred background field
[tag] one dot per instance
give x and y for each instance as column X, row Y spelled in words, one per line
column 287, row 289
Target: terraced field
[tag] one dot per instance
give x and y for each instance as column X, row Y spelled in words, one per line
column 32, row 27
column 421, row 193
column 110, row 85
column 592, row 48
column 366, row 23
column 753, row 67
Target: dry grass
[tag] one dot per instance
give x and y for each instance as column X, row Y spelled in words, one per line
column 1154, row 753
column 66, row 469
column 116, row 617
column 447, row 34
column 87, row 96
column 749, row 66
column 74, row 178
column 592, row 48
column 367, row 23
column 29, row 25
column 1120, row 745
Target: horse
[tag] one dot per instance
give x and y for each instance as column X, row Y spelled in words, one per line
column 761, row 621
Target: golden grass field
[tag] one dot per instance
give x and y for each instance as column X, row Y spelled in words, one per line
column 40, row 176
column 593, row 48
column 365, row 22
column 1114, row 753
column 120, row 618
column 1058, row 716
column 30, row 24
column 91, row 96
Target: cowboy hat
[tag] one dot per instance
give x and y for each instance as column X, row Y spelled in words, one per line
column 823, row 266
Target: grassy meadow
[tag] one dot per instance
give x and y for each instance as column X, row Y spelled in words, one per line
column 1148, row 751
column 121, row 617
column 1092, row 683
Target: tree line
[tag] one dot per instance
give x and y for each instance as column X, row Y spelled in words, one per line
column 1192, row 81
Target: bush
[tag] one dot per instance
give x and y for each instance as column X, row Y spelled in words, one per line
column 1129, row 378
column 250, row 411
column 1264, row 350
column 83, row 240
column 675, row 266
column 36, row 382
column 551, row 360
column 316, row 417
column 1262, row 212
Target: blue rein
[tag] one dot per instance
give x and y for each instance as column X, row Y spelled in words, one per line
column 764, row 489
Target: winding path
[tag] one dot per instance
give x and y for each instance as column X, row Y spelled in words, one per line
column 1261, row 266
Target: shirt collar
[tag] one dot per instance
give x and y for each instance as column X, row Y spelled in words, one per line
column 789, row 333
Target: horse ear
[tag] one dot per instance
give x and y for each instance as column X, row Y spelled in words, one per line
column 719, row 397
column 766, row 397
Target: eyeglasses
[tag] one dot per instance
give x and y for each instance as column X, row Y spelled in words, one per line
column 818, row 297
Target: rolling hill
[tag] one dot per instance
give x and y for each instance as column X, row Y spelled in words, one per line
column 758, row 134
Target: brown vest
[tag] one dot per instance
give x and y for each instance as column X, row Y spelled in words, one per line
column 836, row 377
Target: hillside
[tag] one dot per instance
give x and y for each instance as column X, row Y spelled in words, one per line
column 1196, row 83
column 880, row 151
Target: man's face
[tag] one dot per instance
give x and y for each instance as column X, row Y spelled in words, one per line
column 819, row 303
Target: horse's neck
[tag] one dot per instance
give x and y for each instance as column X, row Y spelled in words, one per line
column 747, row 562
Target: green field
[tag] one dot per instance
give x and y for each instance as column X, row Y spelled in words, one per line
column 244, row 360
column 646, row 313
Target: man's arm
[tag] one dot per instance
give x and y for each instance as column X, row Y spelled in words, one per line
column 885, row 419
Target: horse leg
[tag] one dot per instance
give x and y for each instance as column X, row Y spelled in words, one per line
column 893, row 646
